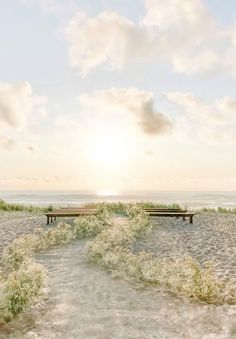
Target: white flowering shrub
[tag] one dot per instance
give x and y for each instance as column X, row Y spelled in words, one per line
column 140, row 224
column 108, row 242
column 117, row 208
column 22, row 279
column 90, row 226
column 20, row 288
column 59, row 235
column 133, row 210
column 16, row 252
column 111, row 249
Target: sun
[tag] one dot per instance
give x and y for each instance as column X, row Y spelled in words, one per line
column 107, row 193
column 108, row 149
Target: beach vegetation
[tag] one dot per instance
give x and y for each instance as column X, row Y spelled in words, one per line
column 5, row 206
column 20, row 289
column 112, row 234
column 112, row 250
column 219, row 210
column 120, row 208
column 16, row 252
column 90, row 226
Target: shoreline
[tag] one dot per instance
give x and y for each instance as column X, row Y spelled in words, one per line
column 190, row 199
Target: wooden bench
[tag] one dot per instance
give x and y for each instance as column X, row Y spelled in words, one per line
column 64, row 212
column 173, row 214
column 164, row 210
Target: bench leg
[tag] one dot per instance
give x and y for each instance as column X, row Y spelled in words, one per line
column 47, row 220
column 55, row 218
column 184, row 218
column 191, row 219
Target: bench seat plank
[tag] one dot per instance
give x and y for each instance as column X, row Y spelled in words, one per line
column 67, row 213
column 171, row 214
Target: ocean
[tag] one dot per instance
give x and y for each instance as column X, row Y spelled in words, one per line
column 73, row 198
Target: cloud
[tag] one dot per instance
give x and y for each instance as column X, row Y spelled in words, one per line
column 6, row 143
column 227, row 104
column 52, row 179
column 206, row 62
column 106, row 39
column 139, row 103
column 32, row 149
column 190, row 36
column 180, row 32
column 17, row 103
column 197, row 108
column 216, row 121
column 173, row 17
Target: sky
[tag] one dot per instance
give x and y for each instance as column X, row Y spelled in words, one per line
column 117, row 95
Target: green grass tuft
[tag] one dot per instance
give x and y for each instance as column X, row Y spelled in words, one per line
column 4, row 206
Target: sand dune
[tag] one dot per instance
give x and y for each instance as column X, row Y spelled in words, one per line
column 83, row 301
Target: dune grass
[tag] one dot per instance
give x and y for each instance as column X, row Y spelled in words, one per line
column 4, row 206
column 114, row 207
column 219, row 210
column 120, row 208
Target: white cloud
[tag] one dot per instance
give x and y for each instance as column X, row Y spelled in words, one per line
column 32, row 149
column 131, row 100
column 227, row 104
column 189, row 34
column 6, row 143
column 174, row 16
column 196, row 108
column 233, row 36
column 180, row 32
column 17, row 103
column 205, row 62
column 216, row 122
column 106, row 39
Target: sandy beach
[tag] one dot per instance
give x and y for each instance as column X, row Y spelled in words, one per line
column 15, row 224
column 84, row 301
column 212, row 238
column 117, row 123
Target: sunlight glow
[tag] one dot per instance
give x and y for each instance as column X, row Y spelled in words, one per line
column 107, row 193
column 109, row 149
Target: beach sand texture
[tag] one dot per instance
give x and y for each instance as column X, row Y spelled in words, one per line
column 15, row 224
column 83, row 301
column 212, row 238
